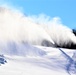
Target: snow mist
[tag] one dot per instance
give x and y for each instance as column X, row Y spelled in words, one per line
column 15, row 26
column 59, row 33
column 41, row 30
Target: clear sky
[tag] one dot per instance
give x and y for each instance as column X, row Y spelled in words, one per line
column 65, row 9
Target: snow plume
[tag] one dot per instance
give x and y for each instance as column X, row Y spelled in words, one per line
column 36, row 30
column 15, row 26
column 60, row 34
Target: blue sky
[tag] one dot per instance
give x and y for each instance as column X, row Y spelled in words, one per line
column 65, row 9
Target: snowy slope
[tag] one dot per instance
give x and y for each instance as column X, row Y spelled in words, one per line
column 29, row 59
column 38, row 60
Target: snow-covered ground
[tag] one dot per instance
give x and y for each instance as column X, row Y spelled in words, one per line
column 19, row 58
column 38, row 60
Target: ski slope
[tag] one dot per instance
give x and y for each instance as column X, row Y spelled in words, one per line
column 38, row 60
column 22, row 44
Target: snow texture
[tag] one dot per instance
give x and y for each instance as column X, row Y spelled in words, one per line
column 38, row 60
